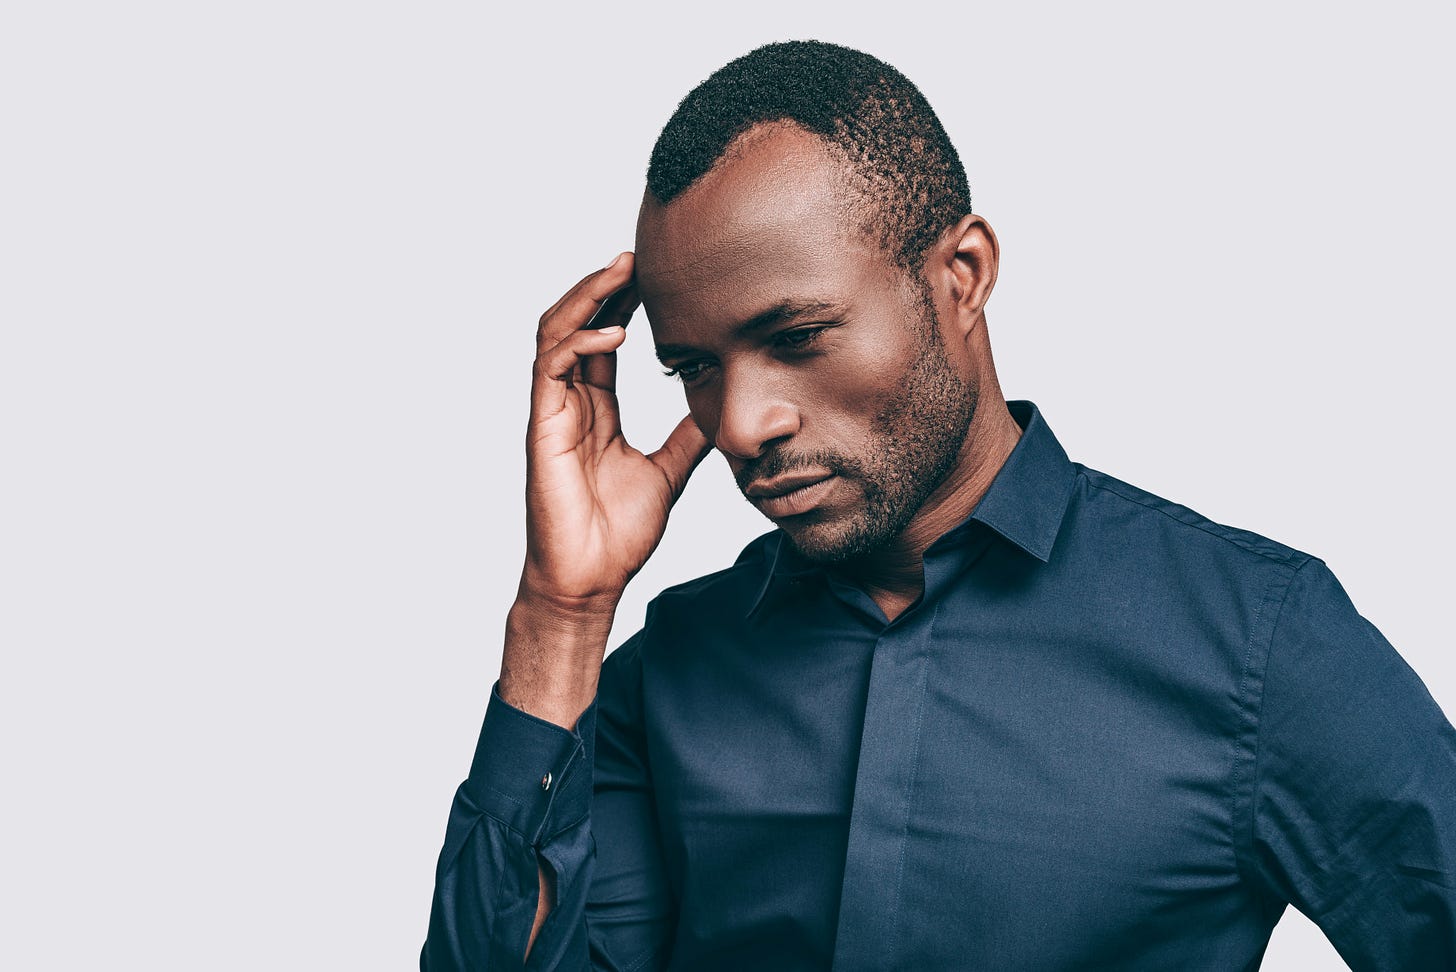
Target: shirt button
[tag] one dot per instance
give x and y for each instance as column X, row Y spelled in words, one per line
column 546, row 781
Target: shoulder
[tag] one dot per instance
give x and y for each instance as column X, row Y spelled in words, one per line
column 1109, row 503
column 733, row 588
column 711, row 599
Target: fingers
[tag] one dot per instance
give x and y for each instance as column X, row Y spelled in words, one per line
column 576, row 307
column 681, row 453
column 553, row 374
column 617, row 309
column 600, row 370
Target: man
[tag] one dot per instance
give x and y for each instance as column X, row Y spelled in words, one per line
column 969, row 704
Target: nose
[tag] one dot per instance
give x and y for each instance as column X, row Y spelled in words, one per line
column 750, row 417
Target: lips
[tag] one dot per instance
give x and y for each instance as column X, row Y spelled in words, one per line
column 789, row 495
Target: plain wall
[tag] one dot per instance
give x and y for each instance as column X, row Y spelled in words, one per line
column 271, row 278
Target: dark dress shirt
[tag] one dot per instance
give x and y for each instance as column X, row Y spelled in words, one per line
column 1111, row 734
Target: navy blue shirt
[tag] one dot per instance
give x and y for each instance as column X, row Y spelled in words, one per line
column 1111, row 734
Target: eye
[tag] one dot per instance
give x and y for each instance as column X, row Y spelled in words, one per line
column 800, row 337
column 687, row 372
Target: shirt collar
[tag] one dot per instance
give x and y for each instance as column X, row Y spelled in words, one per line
column 1024, row 504
column 1028, row 498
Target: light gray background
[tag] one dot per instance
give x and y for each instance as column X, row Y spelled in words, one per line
column 270, row 277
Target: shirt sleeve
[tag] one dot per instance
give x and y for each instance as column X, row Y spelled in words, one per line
column 529, row 802
column 1354, row 810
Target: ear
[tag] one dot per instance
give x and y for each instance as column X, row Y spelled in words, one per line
column 968, row 255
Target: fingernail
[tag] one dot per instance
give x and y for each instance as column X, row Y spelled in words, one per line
column 615, row 260
column 609, row 330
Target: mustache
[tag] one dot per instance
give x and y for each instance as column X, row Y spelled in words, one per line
column 779, row 462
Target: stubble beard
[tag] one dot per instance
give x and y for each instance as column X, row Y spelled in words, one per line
column 916, row 440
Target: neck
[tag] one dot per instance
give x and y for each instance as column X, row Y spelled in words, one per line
column 895, row 575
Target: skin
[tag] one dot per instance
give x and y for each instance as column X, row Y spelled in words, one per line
column 776, row 223
column 850, row 386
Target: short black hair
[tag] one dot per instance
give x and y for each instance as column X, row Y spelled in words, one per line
column 896, row 151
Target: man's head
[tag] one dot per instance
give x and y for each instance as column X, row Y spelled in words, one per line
column 808, row 261
column 900, row 170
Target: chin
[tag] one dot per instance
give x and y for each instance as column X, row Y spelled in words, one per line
column 831, row 542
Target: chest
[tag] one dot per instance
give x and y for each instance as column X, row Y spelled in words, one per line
column 951, row 785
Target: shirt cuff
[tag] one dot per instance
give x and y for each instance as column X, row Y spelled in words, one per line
column 532, row 775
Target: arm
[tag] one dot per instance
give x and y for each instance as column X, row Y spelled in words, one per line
column 502, row 824
column 596, row 838
column 1354, row 812
column 516, row 868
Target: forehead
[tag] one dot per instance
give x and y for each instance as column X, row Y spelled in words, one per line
column 772, row 221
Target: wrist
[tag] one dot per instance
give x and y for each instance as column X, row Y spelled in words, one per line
column 553, row 606
column 553, row 656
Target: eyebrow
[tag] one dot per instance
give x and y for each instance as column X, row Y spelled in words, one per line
column 780, row 313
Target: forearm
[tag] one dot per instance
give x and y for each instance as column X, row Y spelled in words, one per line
column 516, row 866
column 552, row 659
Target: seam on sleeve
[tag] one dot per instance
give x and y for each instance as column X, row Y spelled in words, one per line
column 1248, row 739
column 504, row 823
column 545, row 832
column 482, row 813
column 648, row 960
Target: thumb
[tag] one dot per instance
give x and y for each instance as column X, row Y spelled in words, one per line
column 680, row 454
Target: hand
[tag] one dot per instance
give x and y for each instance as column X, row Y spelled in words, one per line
column 596, row 507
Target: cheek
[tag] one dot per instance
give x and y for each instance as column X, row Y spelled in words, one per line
column 856, row 383
column 705, row 410
column 837, row 395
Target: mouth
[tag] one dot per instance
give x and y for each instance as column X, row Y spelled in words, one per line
column 789, row 495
